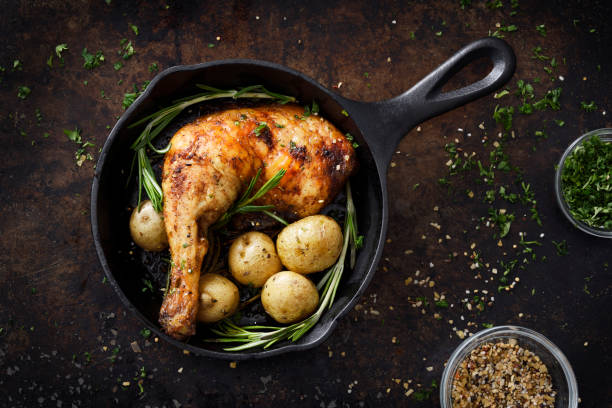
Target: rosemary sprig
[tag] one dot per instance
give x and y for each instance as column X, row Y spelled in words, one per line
column 159, row 120
column 243, row 205
column 265, row 336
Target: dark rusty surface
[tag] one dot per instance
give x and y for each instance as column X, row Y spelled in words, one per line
column 66, row 337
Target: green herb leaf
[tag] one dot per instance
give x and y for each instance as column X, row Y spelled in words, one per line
column 92, row 61
column 442, row 303
column 586, row 183
column 23, row 92
column 59, row 49
column 261, row 126
column 127, row 49
column 74, row 135
column 588, row 107
column 503, row 116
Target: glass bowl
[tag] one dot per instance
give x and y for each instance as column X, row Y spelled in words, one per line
column 561, row 373
column 606, row 136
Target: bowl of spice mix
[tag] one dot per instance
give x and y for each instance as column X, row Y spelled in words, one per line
column 583, row 183
column 508, row 366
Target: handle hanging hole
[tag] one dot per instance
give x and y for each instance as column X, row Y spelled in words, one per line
column 469, row 74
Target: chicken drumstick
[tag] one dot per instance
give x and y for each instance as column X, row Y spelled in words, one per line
column 213, row 159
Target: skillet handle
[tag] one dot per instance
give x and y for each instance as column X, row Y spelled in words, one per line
column 386, row 122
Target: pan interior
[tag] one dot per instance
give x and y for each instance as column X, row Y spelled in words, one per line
column 129, row 268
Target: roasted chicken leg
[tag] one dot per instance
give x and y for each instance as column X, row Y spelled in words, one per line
column 213, row 159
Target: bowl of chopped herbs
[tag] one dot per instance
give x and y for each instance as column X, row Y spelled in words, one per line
column 583, row 183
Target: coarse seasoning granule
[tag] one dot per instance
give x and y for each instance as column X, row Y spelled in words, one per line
column 502, row 375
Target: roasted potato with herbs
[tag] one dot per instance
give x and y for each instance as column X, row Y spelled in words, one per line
column 147, row 228
column 309, row 245
column 253, row 259
column 218, row 298
column 289, row 297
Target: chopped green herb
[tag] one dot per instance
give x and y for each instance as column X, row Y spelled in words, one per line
column 117, row 66
column 502, row 219
column 261, row 126
column 501, row 94
column 588, row 107
column 211, row 45
column 59, row 49
column 537, row 54
column 503, row 29
column 127, row 49
column 92, row 61
column 74, row 135
column 134, row 28
column 465, row 3
column 586, row 183
column 147, row 285
column 525, row 90
column 561, row 247
column 130, row 97
column 487, row 325
column 541, row 29
column 503, row 116
column 551, row 100
column 442, row 303
column 23, row 92
column 345, row 113
column 17, row 65
column 153, row 67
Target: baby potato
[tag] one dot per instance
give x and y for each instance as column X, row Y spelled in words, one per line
column 253, row 259
column 147, row 228
column 219, row 298
column 310, row 244
column 289, row 297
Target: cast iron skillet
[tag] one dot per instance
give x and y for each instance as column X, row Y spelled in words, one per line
column 377, row 126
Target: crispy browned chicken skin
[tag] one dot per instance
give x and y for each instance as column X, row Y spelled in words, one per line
column 213, row 159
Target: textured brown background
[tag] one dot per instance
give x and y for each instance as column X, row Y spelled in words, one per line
column 55, row 308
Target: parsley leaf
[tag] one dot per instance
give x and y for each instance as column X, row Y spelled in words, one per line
column 586, row 183
column 59, row 49
column 74, row 135
column 127, row 49
column 92, row 61
column 23, row 92
column 588, row 107
column 503, row 116
column 551, row 100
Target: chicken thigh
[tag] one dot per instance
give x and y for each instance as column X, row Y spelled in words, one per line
column 211, row 162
